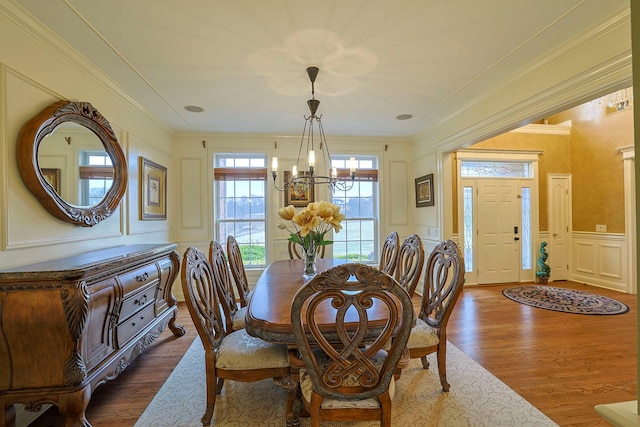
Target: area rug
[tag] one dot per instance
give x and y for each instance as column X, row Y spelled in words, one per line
column 564, row 300
column 476, row 398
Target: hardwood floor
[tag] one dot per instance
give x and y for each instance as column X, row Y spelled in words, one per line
column 564, row 364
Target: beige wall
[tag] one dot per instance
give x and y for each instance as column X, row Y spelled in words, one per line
column 596, row 164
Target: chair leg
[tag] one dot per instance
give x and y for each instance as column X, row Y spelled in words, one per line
column 219, row 385
column 385, row 409
column 316, row 402
column 442, row 366
column 425, row 362
column 211, row 381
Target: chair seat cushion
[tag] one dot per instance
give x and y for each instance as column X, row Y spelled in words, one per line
column 239, row 319
column 422, row 335
column 306, row 386
column 239, row 350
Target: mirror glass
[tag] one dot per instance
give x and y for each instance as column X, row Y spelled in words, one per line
column 74, row 162
column 70, row 159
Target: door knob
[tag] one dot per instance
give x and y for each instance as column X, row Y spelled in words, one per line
column 555, row 234
column 516, row 238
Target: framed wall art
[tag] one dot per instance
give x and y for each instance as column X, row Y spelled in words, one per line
column 153, row 190
column 53, row 177
column 299, row 194
column 424, row 191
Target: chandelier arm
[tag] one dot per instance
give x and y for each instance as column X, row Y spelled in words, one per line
column 304, row 132
column 324, row 146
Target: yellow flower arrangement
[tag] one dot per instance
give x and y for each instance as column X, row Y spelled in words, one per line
column 312, row 223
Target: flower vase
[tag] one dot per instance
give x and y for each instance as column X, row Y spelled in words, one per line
column 309, row 256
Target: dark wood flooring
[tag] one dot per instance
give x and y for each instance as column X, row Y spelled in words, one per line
column 564, row 364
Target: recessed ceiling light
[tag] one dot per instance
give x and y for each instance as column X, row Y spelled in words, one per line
column 404, row 116
column 194, row 109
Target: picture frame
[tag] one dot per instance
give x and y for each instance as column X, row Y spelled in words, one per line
column 52, row 176
column 300, row 196
column 424, row 191
column 153, row 190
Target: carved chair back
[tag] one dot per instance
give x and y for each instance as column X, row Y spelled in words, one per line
column 201, row 298
column 237, row 270
column 410, row 263
column 389, row 253
column 442, row 285
column 222, row 284
column 355, row 366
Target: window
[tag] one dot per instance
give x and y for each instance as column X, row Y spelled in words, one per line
column 526, row 229
column 358, row 239
column 495, row 169
column 239, row 194
column 96, row 177
column 467, row 201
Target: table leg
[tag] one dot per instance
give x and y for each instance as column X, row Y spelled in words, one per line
column 290, row 385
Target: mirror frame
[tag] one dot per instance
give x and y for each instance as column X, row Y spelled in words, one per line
column 43, row 124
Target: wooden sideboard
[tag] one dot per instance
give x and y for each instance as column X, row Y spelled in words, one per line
column 71, row 324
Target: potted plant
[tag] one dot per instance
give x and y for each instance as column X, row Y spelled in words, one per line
column 544, row 271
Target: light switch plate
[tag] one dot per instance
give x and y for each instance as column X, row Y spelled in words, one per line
column 601, row 228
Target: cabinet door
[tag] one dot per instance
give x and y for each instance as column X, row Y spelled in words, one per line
column 98, row 341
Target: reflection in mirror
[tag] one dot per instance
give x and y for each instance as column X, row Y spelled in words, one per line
column 70, row 159
column 84, row 169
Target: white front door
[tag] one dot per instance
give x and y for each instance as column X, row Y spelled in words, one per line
column 498, row 230
column 559, row 246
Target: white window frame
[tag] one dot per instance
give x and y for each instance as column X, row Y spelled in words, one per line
column 248, row 164
column 364, row 162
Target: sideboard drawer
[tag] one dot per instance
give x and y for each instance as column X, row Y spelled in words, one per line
column 138, row 300
column 134, row 324
column 138, row 278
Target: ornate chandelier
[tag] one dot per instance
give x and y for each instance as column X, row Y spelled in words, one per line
column 305, row 171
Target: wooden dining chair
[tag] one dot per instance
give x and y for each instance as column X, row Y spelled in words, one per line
column 348, row 371
column 295, row 251
column 236, row 356
column 442, row 286
column 237, row 271
column 234, row 316
column 389, row 253
column 410, row 263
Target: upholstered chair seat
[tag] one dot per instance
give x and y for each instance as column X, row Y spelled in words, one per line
column 239, row 351
column 422, row 335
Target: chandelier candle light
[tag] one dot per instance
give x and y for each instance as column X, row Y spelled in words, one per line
column 310, row 227
column 304, row 171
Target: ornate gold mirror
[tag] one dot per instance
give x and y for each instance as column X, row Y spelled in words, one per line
column 70, row 159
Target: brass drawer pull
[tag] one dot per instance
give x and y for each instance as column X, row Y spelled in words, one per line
column 141, row 301
column 142, row 277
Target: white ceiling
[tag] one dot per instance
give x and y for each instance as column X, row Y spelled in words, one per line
column 244, row 61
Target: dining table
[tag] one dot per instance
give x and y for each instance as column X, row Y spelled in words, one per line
column 268, row 316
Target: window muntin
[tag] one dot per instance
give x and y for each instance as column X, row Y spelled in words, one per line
column 240, row 204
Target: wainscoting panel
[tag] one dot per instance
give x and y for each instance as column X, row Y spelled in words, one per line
column 600, row 259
